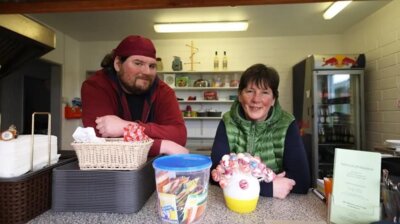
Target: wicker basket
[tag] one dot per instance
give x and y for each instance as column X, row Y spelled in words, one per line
column 24, row 197
column 114, row 154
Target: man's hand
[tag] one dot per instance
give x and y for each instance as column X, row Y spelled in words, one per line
column 111, row 126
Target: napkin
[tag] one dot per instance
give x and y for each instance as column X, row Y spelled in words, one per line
column 86, row 135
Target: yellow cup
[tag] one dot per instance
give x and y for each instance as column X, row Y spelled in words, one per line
column 242, row 199
column 241, row 206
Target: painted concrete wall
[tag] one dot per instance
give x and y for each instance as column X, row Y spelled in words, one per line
column 379, row 37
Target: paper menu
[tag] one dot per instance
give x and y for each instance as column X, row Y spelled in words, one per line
column 356, row 188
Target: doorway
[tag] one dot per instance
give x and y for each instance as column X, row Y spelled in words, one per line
column 36, row 87
column 36, row 99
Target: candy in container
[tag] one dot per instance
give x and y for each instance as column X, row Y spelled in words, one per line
column 239, row 176
column 182, row 187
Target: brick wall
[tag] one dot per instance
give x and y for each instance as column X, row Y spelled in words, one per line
column 378, row 37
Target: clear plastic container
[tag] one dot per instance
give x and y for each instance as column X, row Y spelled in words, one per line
column 182, row 187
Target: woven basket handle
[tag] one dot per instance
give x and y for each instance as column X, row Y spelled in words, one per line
column 48, row 134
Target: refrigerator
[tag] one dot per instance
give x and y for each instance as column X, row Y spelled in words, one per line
column 328, row 104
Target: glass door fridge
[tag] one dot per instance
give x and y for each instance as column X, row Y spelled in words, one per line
column 328, row 103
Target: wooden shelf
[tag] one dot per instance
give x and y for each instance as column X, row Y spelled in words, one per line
column 182, row 83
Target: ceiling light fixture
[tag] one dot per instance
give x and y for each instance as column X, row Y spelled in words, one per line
column 335, row 8
column 201, row 27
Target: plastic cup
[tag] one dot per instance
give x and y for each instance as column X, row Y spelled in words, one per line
column 182, row 187
column 328, row 182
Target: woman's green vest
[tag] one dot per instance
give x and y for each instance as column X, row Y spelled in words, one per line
column 265, row 139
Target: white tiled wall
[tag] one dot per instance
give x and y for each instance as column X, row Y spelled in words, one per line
column 379, row 37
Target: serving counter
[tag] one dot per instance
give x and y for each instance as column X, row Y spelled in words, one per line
column 294, row 209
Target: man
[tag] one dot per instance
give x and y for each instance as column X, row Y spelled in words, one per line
column 127, row 90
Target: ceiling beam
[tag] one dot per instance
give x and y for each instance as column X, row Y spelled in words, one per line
column 49, row 6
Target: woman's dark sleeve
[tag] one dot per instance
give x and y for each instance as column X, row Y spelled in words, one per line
column 295, row 162
column 220, row 146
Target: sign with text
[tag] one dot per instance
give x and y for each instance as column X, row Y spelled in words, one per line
column 356, row 187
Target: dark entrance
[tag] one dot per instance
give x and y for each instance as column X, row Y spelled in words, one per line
column 36, row 87
column 36, row 99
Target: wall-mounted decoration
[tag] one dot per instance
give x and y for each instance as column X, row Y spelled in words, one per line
column 169, row 79
column 193, row 51
column 182, row 81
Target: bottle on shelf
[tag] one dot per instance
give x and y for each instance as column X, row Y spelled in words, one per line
column 226, row 81
column 324, row 95
column 225, row 62
column 216, row 61
column 321, row 135
column 322, row 115
column 345, row 135
column 351, row 136
column 328, row 134
column 334, row 134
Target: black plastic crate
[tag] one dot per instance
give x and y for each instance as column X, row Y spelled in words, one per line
column 113, row 191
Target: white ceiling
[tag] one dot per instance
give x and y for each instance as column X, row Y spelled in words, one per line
column 264, row 20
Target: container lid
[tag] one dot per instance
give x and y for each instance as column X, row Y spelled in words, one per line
column 182, row 162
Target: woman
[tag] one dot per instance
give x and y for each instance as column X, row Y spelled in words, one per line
column 256, row 124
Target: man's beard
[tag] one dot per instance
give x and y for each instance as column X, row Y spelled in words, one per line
column 135, row 89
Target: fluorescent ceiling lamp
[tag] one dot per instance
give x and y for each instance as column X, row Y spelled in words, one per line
column 201, row 27
column 335, row 8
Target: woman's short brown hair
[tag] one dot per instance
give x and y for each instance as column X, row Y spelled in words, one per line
column 262, row 76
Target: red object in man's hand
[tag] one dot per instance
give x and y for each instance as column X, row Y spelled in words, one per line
column 134, row 132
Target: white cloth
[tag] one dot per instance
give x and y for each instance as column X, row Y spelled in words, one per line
column 15, row 155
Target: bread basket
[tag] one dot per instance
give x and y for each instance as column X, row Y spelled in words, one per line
column 114, row 154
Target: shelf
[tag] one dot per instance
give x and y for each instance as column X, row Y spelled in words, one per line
column 190, row 85
column 336, row 124
column 339, row 100
column 205, row 88
column 199, row 72
column 384, row 150
column 205, row 101
column 333, row 104
column 202, row 118
column 339, row 144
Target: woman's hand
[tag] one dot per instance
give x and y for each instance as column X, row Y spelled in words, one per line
column 170, row 147
column 111, row 126
column 282, row 186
